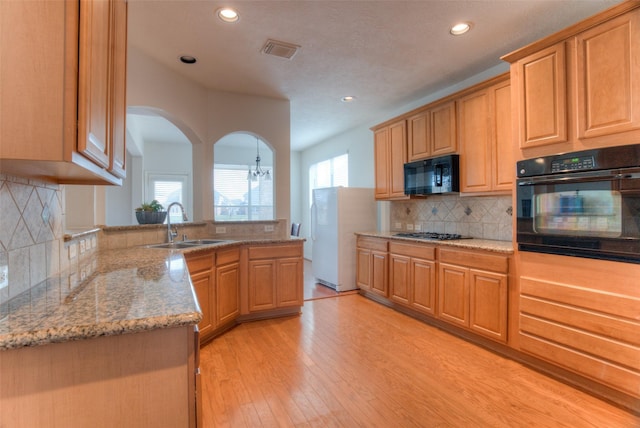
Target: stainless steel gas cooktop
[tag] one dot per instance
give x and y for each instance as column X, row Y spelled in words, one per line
column 432, row 236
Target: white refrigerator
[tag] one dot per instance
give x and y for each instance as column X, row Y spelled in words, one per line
column 336, row 214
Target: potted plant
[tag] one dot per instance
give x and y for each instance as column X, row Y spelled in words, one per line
column 151, row 213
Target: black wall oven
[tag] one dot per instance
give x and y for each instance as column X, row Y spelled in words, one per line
column 583, row 204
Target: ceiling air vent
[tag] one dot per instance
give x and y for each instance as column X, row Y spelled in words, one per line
column 280, row 49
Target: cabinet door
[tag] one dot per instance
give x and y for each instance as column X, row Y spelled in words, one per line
column 502, row 156
column 118, row 89
column 541, row 82
column 381, row 153
column 608, row 80
column 418, row 137
column 423, row 283
column 363, row 268
column 262, row 284
column 397, row 157
column 488, row 304
column 227, row 292
column 399, row 278
column 204, row 286
column 93, row 83
column 379, row 273
column 442, row 134
column 453, row 294
column 288, row 280
column 475, row 142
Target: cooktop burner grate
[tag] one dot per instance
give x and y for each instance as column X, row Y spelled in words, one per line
column 431, row 235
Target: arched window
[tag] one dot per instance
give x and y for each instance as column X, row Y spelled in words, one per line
column 239, row 192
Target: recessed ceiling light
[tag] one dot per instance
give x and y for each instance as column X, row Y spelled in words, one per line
column 348, row 99
column 460, row 28
column 188, row 59
column 227, row 14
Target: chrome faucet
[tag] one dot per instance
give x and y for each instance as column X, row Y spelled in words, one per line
column 173, row 233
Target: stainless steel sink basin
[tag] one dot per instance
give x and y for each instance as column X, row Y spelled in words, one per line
column 174, row 245
column 204, row 241
column 186, row 244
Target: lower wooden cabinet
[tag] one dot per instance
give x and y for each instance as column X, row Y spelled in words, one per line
column 472, row 291
column 372, row 268
column 227, row 286
column 412, row 276
column 216, row 279
column 201, row 269
column 275, row 277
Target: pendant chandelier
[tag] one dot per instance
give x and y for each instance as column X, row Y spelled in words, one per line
column 258, row 172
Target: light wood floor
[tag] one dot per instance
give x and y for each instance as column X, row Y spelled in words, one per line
column 350, row 362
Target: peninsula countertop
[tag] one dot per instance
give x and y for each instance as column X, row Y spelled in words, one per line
column 113, row 292
column 505, row 247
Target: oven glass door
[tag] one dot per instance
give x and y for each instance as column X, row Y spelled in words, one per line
column 590, row 216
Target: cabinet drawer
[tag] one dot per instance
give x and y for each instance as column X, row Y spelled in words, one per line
column 227, row 256
column 275, row 251
column 199, row 262
column 427, row 252
column 492, row 262
column 375, row 244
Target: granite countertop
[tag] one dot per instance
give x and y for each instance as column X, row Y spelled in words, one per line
column 505, row 247
column 115, row 292
column 112, row 292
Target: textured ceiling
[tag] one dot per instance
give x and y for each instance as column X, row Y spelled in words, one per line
column 386, row 53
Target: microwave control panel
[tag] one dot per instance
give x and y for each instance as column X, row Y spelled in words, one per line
column 576, row 163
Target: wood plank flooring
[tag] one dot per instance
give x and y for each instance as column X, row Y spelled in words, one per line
column 350, row 362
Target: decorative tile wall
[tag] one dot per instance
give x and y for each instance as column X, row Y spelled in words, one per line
column 486, row 217
column 31, row 232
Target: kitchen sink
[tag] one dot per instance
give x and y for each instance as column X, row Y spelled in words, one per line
column 186, row 244
column 204, row 241
column 174, row 245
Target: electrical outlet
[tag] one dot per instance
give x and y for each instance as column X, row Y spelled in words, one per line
column 417, row 227
column 409, row 226
column 83, row 246
column 398, row 225
column 268, row 228
column 4, row 276
column 221, row 229
column 73, row 251
column 93, row 242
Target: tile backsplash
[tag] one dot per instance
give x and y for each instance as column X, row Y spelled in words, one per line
column 486, row 217
column 31, row 233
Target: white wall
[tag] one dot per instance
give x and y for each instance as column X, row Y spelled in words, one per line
column 205, row 116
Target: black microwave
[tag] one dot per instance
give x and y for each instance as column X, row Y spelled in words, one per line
column 432, row 176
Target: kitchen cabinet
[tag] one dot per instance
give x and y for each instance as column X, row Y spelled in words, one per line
column 275, row 277
column 63, row 98
column 372, row 266
column 227, row 286
column 579, row 89
column 486, row 152
column 472, row 291
column 582, row 315
column 216, row 279
column 201, row 269
column 390, row 153
column 412, row 276
column 432, row 132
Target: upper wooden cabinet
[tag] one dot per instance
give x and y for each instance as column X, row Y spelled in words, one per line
column 432, row 132
column 63, row 98
column 608, row 77
column 486, row 145
column 390, row 152
column 579, row 88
